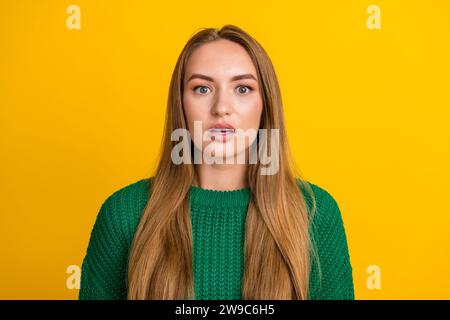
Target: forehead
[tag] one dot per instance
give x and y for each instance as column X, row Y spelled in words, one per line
column 220, row 57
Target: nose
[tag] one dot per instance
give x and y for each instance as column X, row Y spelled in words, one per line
column 222, row 105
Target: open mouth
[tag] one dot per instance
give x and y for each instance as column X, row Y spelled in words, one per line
column 221, row 134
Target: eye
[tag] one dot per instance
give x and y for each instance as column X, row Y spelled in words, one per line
column 203, row 91
column 244, row 87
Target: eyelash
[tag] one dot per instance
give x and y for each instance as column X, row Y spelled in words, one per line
column 250, row 88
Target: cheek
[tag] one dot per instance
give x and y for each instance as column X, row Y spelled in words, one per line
column 193, row 110
column 195, row 115
column 250, row 117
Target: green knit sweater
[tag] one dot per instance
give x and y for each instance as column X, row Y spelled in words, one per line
column 218, row 226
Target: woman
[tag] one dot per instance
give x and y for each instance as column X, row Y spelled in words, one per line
column 220, row 230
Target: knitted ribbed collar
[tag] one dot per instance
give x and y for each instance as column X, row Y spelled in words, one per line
column 219, row 198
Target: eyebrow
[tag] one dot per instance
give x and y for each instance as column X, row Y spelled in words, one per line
column 235, row 78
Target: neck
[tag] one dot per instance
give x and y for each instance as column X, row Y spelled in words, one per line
column 221, row 176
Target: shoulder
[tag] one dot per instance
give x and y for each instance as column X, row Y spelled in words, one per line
column 318, row 200
column 331, row 270
column 324, row 212
column 132, row 193
column 123, row 208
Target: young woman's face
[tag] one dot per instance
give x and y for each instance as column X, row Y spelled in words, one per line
column 221, row 86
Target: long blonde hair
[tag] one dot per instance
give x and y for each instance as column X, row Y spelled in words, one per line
column 277, row 246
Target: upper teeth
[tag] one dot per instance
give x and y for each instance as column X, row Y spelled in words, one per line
column 221, row 130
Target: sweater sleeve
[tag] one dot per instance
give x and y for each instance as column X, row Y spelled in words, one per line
column 332, row 277
column 104, row 265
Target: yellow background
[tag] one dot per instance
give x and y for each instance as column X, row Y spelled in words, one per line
column 367, row 113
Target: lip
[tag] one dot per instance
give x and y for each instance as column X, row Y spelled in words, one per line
column 219, row 136
column 222, row 125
